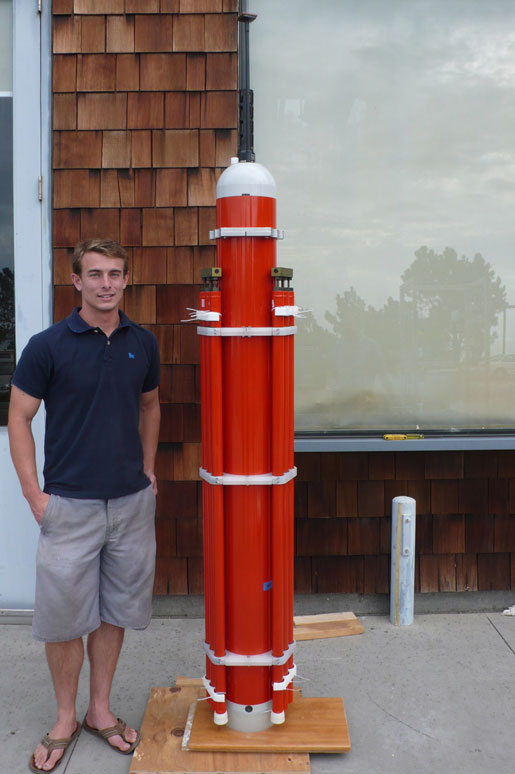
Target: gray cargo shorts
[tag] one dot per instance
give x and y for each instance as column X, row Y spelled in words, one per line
column 95, row 562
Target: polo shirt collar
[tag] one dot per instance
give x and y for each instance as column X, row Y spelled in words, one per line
column 78, row 325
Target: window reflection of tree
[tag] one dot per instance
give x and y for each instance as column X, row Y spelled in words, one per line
column 423, row 358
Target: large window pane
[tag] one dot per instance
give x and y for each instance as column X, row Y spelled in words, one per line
column 390, row 130
column 6, row 210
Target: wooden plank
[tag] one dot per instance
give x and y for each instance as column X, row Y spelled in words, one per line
column 160, row 750
column 318, row 627
column 312, row 725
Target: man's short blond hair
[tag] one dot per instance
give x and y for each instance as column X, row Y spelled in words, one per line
column 107, row 247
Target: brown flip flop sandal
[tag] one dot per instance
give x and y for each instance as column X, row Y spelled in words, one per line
column 51, row 745
column 117, row 730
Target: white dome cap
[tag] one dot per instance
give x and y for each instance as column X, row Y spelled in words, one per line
column 245, row 177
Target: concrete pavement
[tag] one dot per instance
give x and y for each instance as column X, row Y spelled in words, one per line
column 437, row 696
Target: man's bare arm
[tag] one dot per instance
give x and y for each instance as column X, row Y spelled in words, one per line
column 22, row 409
column 149, row 419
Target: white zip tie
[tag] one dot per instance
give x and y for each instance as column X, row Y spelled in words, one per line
column 290, row 311
column 284, row 683
column 215, row 695
column 200, row 314
column 263, row 479
column 248, row 331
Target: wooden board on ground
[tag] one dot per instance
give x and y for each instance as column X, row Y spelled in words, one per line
column 312, row 725
column 160, row 750
column 317, row 627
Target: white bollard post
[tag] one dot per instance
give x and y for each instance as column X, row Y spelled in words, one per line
column 402, row 584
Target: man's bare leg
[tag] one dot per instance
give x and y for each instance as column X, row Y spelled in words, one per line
column 65, row 662
column 104, row 645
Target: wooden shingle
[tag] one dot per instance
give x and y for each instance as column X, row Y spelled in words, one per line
column 338, row 574
column 66, row 228
column 163, row 72
column 99, row 6
column 219, row 109
column 171, row 429
column 189, row 347
column 93, row 34
column 449, row 534
column 187, row 461
column 444, row 464
column 154, row 33
column 444, row 496
column 203, row 257
column 437, row 573
column 171, row 576
column 176, row 110
column 165, row 534
column 201, row 6
column 302, row 572
column 145, row 110
column 222, row 71
column 141, row 152
column 102, row 111
column 346, row 499
column 189, row 537
column 179, row 265
column 127, row 72
column 164, row 335
column 173, row 301
column 109, row 188
column 196, row 72
column 116, row 149
column 144, row 188
column 479, row 534
column 158, row 228
column 130, row 229
column 66, row 298
column 494, row 571
column 100, row 223
column 371, row 498
column 321, row 499
column 125, row 187
column 175, row 148
column 195, row 575
column 76, row 188
column 67, row 34
column 64, row 111
column 466, row 572
column 473, row 496
column 171, row 188
column 62, row 266
column 194, row 105
column 207, row 148
column 142, row 6
column 230, row 6
column 188, row 33
column 364, row 536
column 64, row 72
column 120, row 34
column 504, row 533
column 77, row 149
column 149, row 267
column 140, row 303
column 221, row 32
column 62, row 7
column 186, row 226
column 327, row 537
column 206, row 223
column 498, row 496
column 170, row 6
column 376, row 575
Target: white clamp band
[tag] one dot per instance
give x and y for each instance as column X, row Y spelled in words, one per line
column 232, row 479
column 248, row 332
column 282, row 686
column 246, row 231
column 201, row 314
column 258, row 659
column 215, row 695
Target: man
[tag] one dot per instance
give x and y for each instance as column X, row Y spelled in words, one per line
column 98, row 374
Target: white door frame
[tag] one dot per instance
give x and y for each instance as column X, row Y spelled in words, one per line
column 32, row 33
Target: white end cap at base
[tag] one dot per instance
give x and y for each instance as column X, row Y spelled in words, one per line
column 277, row 718
column 220, row 718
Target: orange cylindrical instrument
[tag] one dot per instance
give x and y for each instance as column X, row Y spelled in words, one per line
column 247, row 460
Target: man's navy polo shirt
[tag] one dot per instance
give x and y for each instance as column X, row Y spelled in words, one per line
column 92, row 388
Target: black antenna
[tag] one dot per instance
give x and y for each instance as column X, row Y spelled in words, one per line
column 246, row 104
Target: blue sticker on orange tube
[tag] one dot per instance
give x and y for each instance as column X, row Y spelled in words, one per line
column 267, row 586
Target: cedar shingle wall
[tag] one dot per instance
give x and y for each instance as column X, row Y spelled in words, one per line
column 145, row 119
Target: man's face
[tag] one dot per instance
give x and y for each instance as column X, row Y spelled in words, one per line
column 102, row 282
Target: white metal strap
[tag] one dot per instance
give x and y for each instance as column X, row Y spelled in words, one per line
column 288, row 311
column 248, row 332
column 259, row 659
column 232, row 479
column 284, row 683
column 247, row 231
column 215, row 695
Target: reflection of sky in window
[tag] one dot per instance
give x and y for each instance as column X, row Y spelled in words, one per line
column 6, row 186
column 387, row 126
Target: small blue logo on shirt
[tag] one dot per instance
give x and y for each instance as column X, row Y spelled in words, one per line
column 132, row 356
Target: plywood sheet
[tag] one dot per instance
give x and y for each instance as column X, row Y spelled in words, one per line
column 160, row 750
column 312, row 725
column 317, row 627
